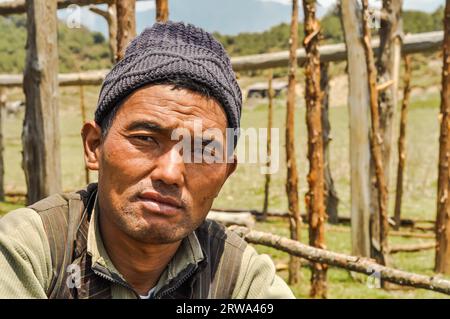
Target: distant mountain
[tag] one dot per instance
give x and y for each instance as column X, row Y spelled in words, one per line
column 224, row 16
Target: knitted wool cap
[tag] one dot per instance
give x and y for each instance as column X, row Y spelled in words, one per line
column 172, row 50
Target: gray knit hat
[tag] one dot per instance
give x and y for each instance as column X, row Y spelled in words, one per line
column 172, row 50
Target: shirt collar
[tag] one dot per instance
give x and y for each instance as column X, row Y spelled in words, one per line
column 189, row 252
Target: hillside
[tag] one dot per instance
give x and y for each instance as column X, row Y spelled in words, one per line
column 80, row 49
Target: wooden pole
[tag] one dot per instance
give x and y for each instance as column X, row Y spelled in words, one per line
column 2, row 163
column 110, row 15
column 292, row 178
column 442, row 260
column 352, row 263
column 126, row 25
column 359, row 119
column 162, row 10
column 331, row 196
column 315, row 198
column 376, row 140
column 269, row 149
column 40, row 136
column 83, row 120
column 402, row 143
column 388, row 65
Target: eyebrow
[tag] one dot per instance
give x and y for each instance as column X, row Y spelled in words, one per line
column 146, row 126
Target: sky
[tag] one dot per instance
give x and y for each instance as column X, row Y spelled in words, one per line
column 220, row 15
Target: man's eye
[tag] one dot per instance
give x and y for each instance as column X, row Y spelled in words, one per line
column 145, row 138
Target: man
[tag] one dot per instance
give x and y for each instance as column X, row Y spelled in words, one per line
column 141, row 231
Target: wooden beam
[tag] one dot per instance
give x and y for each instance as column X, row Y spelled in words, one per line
column 64, row 79
column 18, row 6
column 413, row 43
column 40, row 137
column 352, row 263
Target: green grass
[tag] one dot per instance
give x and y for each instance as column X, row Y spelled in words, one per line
column 245, row 188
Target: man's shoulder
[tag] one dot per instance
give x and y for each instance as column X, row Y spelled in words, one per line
column 219, row 232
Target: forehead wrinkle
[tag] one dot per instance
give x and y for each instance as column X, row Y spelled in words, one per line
column 206, row 110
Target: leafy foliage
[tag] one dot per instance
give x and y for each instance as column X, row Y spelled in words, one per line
column 79, row 49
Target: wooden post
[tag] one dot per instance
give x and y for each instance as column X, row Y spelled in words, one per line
column 376, row 140
column 315, row 196
column 126, row 25
column 2, row 163
column 269, row 149
column 402, row 143
column 358, row 102
column 331, row 196
column 388, row 65
column 83, row 120
column 292, row 178
column 162, row 10
column 442, row 260
column 40, row 136
column 110, row 15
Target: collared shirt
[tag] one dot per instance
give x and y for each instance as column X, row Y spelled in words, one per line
column 25, row 261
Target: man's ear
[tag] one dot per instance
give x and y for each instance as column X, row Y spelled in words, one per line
column 231, row 165
column 91, row 134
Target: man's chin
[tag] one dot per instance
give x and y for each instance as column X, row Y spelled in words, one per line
column 159, row 233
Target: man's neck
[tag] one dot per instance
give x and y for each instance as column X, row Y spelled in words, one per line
column 141, row 264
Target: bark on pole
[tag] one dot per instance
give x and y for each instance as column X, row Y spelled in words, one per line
column 269, row 149
column 83, row 120
column 402, row 143
column 352, row 263
column 110, row 15
column 292, row 178
column 315, row 198
column 359, row 119
column 388, row 65
column 381, row 249
column 442, row 259
column 2, row 163
column 40, row 136
column 126, row 25
column 331, row 196
column 162, row 10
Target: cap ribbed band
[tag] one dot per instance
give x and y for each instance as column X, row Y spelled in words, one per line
column 171, row 50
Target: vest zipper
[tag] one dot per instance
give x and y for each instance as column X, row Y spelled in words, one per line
column 125, row 285
column 177, row 285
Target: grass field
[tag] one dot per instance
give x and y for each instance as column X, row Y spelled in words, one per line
column 245, row 188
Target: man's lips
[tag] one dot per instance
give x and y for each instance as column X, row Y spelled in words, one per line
column 158, row 203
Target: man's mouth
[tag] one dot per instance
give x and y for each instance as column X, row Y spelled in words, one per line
column 157, row 203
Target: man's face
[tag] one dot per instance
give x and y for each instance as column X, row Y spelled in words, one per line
column 145, row 187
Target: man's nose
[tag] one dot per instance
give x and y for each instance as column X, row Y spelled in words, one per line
column 170, row 168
